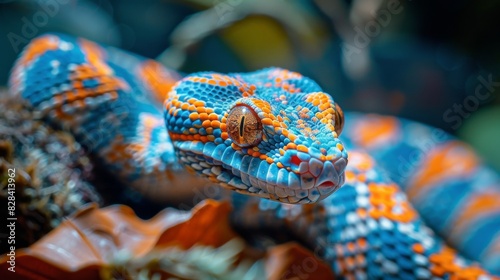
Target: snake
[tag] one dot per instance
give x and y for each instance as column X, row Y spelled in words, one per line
column 375, row 197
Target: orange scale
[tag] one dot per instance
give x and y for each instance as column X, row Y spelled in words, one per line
column 435, row 258
column 324, row 106
column 340, row 147
column 451, row 267
column 448, row 257
column 78, row 84
column 362, row 243
column 203, row 116
column 361, row 177
column 235, row 147
column 193, row 116
column 376, row 214
column 351, row 247
column 476, row 272
column 360, row 260
column 267, row 121
column 418, row 248
column 361, row 212
column 291, row 146
column 390, row 203
column 376, row 201
column 302, row 148
column 71, row 97
column 199, row 103
column 206, row 123
column 437, row 271
column 266, row 109
column 350, row 261
column 217, row 124
column 396, row 218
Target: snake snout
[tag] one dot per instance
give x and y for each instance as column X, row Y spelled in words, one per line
column 312, row 176
column 331, row 177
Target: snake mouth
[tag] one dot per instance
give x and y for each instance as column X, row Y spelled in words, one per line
column 320, row 188
column 308, row 182
column 281, row 184
column 327, row 185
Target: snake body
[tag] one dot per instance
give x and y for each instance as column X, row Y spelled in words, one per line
column 275, row 138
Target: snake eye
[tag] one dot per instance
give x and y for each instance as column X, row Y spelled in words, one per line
column 244, row 126
column 339, row 119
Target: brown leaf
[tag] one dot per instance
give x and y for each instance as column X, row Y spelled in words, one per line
column 292, row 261
column 90, row 239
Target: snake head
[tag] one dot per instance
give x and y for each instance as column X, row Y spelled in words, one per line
column 271, row 133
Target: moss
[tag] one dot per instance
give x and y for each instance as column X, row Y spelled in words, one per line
column 51, row 172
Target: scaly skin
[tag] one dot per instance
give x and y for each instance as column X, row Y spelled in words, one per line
column 285, row 148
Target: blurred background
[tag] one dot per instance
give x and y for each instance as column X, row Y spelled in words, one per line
column 436, row 62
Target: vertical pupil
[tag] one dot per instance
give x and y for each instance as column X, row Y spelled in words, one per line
column 242, row 125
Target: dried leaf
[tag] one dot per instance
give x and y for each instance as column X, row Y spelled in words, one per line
column 292, row 261
column 93, row 239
